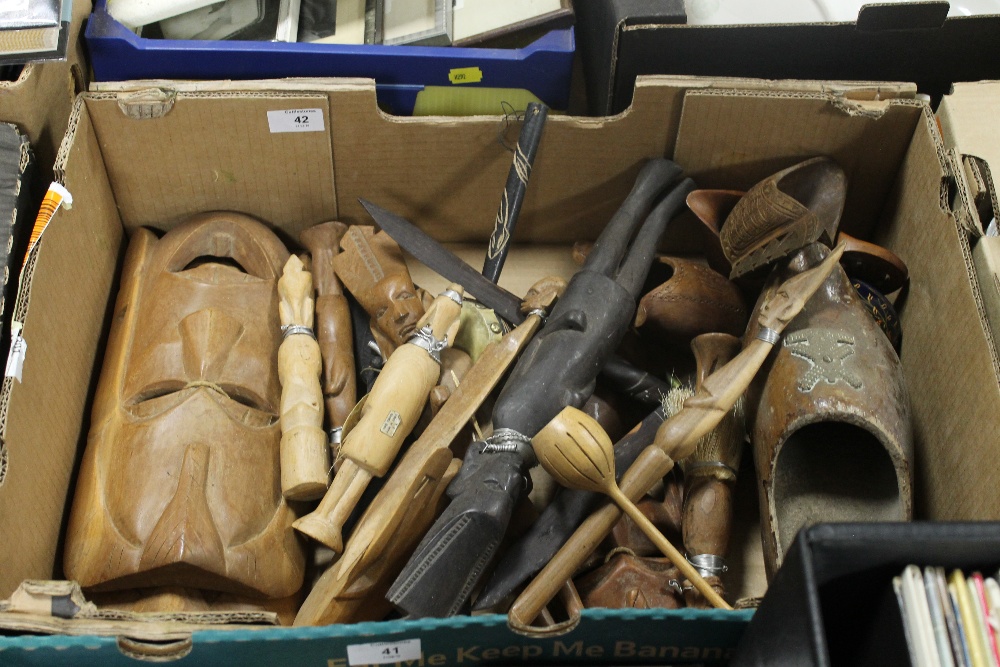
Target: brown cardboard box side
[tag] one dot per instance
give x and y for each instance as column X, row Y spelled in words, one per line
column 444, row 174
column 967, row 119
column 44, row 423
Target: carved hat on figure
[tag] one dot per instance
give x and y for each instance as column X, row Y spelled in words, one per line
column 372, row 269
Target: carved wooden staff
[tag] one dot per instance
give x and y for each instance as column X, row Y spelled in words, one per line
column 390, row 412
column 333, row 326
column 514, row 190
column 305, row 462
column 407, row 505
column 675, row 439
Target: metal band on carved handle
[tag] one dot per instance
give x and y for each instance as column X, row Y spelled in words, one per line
column 769, row 335
column 424, row 339
column 709, row 565
column 297, row 330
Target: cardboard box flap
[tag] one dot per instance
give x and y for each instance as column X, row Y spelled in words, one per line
column 848, row 90
column 44, row 417
column 437, row 182
column 717, row 136
column 429, row 181
column 149, row 158
column 958, row 378
column 966, row 118
column 60, row 607
column 902, row 16
column 967, row 121
column 556, row 209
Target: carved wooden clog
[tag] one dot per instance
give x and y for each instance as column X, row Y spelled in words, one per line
column 831, row 431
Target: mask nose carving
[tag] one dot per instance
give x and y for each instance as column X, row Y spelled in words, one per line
column 186, row 532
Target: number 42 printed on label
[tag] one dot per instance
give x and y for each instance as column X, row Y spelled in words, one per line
column 296, row 120
column 381, row 653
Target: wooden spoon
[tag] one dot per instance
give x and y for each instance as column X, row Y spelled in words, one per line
column 576, row 451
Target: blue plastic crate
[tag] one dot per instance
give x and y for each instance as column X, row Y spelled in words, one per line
column 543, row 67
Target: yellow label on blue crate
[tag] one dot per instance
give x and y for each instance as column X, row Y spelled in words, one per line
column 465, row 75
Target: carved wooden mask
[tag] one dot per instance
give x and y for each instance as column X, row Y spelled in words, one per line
column 180, row 483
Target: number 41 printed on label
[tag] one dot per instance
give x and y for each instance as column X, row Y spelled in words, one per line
column 381, row 653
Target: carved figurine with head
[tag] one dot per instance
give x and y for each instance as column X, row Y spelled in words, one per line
column 372, row 269
column 179, row 484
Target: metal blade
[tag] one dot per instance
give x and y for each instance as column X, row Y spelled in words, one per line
column 416, row 242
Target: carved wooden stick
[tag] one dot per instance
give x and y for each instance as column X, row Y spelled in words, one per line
column 676, row 438
column 575, row 450
column 390, row 412
column 710, row 472
column 333, row 322
column 305, row 460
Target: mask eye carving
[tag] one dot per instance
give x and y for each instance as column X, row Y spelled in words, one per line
column 202, row 260
column 238, row 402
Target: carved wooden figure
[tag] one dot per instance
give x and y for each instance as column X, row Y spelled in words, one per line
column 677, row 437
column 179, row 484
column 710, row 473
column 389, row 414
column 627, row 581
column 305, row 459
column 372, row 269
column 333, row 325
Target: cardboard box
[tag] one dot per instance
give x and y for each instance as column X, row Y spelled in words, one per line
column 155, row 157
column 965, row 116
column 917, row 42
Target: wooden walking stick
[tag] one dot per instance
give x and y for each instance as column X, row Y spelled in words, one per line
column 576, row 451
column 354, row 588
column 675, row 439
column 305, row 462
column 390, row 412
column 333, row 325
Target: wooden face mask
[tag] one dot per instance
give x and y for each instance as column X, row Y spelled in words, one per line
column 179, row 484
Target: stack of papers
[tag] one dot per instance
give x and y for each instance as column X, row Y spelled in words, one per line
column 950, row 619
